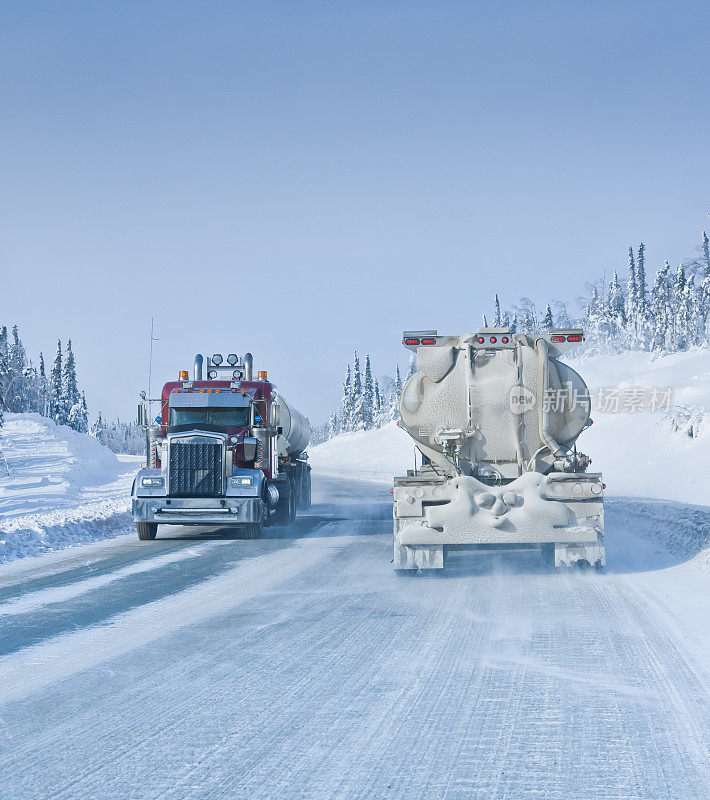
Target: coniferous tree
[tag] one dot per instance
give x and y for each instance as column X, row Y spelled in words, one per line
column 58, row 409
column 706, row 255
column 497, row 319
column 548, row 321
column 70, row 391
column 617, row 312
column 393, row 413
column 377, row 406
column 368, row 397
column 358, row 416
column 346, row 403
column 333, row 426
column 661, row 310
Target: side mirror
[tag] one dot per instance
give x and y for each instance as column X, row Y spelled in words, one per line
column 142, row 415
column 250, row 444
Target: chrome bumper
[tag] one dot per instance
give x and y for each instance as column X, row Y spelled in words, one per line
column 197, row 510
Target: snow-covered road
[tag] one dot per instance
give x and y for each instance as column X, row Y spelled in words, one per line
column 299, row 666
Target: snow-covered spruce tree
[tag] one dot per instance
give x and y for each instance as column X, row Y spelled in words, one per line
column 17, row 376
column 57, row 405
column 497, row 319
column 548, row 322
column 661, row 311
column 367, row 402
column 641, row 280
column 346, row 403
column 43, row 387
column 333, row 425
column 705, row 247
column 377, row 405
column 98, row 428
column 681, row 316
column 358, row 414
column 78, row 418
column 70, row 391
column 617, row 312
column 393, row 409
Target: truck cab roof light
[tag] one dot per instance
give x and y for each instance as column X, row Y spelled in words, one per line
column 410, row 340
column 262, row 375
column 183, row 375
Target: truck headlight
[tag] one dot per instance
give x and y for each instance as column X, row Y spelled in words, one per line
column 241, row 480
column 152, row 481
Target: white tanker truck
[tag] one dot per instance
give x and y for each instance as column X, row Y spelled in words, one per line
column 496, row 416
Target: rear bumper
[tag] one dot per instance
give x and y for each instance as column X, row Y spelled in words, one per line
column 197, row 510
column 533, row 509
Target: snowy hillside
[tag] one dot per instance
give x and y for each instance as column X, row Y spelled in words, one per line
column 63, row 488
column 639, row 453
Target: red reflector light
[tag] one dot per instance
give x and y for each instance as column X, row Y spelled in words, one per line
column 428, row 341
column 480, row 340
column 493, row 340
column 505, row 340
column 558, row 338
column 575, row 338
column 411, row 341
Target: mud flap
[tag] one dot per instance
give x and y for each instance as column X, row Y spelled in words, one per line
column 418, row 557
column 569, row 555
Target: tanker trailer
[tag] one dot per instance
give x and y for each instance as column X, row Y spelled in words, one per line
column 496, row 416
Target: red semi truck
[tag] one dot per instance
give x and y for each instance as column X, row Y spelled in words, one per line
column 226, row 450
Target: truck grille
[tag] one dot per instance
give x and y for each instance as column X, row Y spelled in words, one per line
column 195, row 469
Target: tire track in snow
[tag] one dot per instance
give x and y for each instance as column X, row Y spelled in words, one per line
column 35, row 667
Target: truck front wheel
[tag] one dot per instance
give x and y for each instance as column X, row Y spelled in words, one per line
column 147, row 530
column 253, row 530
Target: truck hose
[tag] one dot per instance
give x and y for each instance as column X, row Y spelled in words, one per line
column 542, row 380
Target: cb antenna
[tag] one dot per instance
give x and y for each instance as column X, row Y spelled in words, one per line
column 150, row 366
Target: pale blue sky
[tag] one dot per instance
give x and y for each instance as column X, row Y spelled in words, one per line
column 300, row 178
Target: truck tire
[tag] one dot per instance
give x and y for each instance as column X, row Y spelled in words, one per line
column 286, row 509
column 253, row 530
column 307, row 491
column 147, row 530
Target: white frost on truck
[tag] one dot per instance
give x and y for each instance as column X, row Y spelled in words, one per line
column 496, row 417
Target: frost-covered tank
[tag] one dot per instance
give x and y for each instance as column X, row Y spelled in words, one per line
column 496, row 416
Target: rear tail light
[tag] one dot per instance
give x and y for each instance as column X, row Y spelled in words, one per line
column 428, row 341
column 493, row 340
column 505, row 340
column 411, row 341
column 558, row 338
column 481, row 340
column 574, row 338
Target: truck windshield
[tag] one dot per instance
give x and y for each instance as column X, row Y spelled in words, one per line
column 219, row 418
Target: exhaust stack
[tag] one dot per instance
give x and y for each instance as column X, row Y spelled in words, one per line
column 248, row 367
column 198, row 367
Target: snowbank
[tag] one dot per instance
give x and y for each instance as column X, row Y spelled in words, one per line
column 639, row 453
column 63, row 488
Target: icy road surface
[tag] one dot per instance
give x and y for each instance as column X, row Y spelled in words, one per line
column 298, row 666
